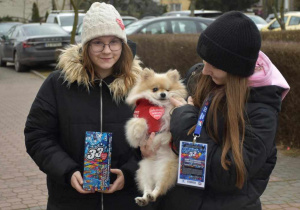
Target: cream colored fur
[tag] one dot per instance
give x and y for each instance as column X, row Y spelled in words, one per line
column 156, row 174
column 73, row 71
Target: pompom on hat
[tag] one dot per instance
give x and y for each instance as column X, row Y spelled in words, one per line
column 231, row 43
column 102, row 20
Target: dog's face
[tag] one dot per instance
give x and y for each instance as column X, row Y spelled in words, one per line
column 158, row 88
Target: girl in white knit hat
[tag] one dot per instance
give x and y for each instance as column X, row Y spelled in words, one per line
column 87, row 94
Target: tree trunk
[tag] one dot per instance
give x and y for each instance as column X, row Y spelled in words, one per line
column 192, row 7
column 282, row 24
column 63, row 5
column 73, row 32
column 281, row 19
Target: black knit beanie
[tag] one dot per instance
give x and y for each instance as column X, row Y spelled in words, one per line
column 231, row 43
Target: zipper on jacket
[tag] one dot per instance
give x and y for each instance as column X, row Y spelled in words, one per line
column 101, row 106
column 101, row 126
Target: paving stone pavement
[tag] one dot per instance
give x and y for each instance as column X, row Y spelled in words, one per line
column 23, row 185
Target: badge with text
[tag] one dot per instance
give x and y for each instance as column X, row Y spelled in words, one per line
column 192, row 164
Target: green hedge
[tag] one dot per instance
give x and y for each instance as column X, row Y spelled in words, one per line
column 287, row 36
column 164, row 52
column 286, row 57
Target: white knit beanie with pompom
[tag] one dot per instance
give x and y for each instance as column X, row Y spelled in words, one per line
column 102, row 20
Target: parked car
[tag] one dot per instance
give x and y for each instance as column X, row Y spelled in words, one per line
column 259, row 21
column 78, row 34
column 5, row 26
column 292, row 22
column 197, row 13
column 64, row 19
column 32, row 44
column 271, row 17
column 127, row 20
column 148, row 17
column 169, row 25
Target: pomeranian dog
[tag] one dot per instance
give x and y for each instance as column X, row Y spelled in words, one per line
column 150, row 96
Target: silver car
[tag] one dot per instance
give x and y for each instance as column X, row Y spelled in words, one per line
column 169, row 25
column 32, row 44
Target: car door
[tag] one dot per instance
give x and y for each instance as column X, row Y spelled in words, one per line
column 8, row 49
column 294, row 23
column 184, row 27
column 159, row 27
column 275, row 26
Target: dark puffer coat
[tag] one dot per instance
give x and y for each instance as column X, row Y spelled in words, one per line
column 259, row 152
column 61, row 113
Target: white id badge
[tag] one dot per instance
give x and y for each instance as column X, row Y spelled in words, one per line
column 192, row 164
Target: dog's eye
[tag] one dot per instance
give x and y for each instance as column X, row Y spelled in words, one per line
column 155, row 89
column 168, row 90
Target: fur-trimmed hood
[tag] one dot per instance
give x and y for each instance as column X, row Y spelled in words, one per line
column 73, row 71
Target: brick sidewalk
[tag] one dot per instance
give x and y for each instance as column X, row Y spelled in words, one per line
column 283, row 191
column 23, row 186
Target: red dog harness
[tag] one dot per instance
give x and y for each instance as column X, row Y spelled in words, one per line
column 151, row 113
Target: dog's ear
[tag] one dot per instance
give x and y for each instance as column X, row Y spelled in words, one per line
column 146, row 74
column 173, row 75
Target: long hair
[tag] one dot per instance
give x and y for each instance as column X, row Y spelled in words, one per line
column 122, row 68
column 229, row 101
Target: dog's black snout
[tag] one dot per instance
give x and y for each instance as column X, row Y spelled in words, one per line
column 163, row 95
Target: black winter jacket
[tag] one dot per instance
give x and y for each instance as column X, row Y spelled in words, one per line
column 259, row 153
column 55, row 135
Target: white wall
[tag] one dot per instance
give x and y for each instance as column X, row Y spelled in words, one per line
column 23, row 8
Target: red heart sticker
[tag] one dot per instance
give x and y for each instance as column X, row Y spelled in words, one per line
column 103, row 156
column 120, row 23
column 156, row 112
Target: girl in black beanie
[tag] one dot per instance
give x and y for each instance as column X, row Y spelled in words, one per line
column 240, row 126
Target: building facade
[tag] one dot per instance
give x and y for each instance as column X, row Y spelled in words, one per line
column 22, row 9
column 176, row 5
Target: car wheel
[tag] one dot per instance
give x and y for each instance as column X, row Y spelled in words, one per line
column 2, row 63
column 18, row 66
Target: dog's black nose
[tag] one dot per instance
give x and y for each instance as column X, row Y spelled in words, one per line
column 163, row 95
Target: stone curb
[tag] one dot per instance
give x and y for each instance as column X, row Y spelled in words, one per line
column 38, row 74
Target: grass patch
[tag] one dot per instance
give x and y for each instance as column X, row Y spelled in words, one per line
column 291, row 152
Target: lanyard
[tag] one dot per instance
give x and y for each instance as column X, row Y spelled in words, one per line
column 201, row 119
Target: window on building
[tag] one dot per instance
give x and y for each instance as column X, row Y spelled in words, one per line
column 175, row 7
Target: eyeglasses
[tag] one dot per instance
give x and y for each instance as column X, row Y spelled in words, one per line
column 98, row 46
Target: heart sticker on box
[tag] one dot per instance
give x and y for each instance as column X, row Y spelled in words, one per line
column 103, row 156
column 156, row 112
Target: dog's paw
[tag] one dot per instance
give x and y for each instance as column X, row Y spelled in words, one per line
column 151, row 197
column 136, row 130
column 139, row 128
column 141, row 201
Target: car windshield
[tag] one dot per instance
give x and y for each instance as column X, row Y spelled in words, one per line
column 258, row 20
column 69, row 20
column 127, row 22
column 43, row 30
column 4, row 27
column 275, row 24
column 132, row 27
